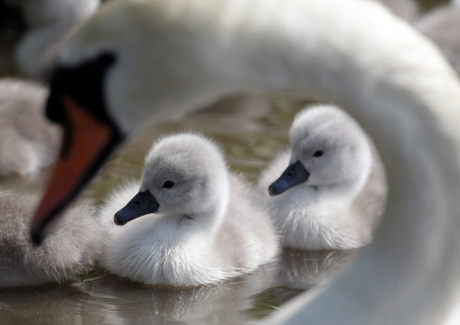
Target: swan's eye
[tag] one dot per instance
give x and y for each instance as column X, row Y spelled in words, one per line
column 318, row 153
column 168, row 184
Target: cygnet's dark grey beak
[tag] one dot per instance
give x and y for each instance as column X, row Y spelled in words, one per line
column 294, row 175
column 140, row 205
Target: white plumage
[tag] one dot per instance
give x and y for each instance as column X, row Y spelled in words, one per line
column 208, row 227
column 341, row 202
column 442, row 26
column 175, row 56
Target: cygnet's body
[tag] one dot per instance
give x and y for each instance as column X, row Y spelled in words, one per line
column 68, row 251
column 442, row 26
column 208, row 227
column 28, row 141
column 334, row 189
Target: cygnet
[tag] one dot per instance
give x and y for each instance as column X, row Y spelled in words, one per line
column 332, row 193
column 28, row 141
column 70, row 250
column 200, row 225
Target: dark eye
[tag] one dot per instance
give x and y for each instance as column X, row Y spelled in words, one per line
column 168, row 184
column 318, row 153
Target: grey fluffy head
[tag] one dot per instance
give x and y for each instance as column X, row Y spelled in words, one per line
column 186, row 173
column 331, row 146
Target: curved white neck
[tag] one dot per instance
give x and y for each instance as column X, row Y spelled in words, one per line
column 405, row 96
column 353, row 54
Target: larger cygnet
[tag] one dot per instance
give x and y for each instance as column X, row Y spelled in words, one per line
column 71, row 249
column 332, row 193
column 201, row 224
column 28, row 141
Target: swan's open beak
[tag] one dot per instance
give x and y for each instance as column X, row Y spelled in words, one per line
column 294, row 175
column 87, row 143
column 140, row 205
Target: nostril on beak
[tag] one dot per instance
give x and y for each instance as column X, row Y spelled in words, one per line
column 137, row 203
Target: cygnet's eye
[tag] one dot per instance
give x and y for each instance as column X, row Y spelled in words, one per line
column 318, row 153
column 168, row 184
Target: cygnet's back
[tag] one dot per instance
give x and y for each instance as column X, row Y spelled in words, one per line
column 28, row 141
column 71, row 249
column 332, row 193
column 201, row 224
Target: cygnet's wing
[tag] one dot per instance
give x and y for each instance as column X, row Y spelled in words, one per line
column 246, row 237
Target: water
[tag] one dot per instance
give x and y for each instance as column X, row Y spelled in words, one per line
column 251, row 129
column 105, row 299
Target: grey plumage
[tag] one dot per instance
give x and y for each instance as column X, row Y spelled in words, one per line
column 341, row 202
column 69, row 250
column 208, row 227
column 28, row 141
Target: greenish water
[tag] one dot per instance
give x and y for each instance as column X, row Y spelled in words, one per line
column 241, row 125
column 105, row 299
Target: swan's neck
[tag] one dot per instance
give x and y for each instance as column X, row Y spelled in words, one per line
column 391, row 80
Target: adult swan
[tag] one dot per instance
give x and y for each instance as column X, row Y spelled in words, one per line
column 138, row 60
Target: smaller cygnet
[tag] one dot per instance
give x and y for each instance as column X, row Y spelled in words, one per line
column 332, row 193
column 28, row 141
column 200, row 223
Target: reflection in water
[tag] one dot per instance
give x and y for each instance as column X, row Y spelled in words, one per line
column 217, row 304
column 304, row 269
column 47, row 304
column 111, row 300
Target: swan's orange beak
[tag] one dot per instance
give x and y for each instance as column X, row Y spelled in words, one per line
column 87, row 144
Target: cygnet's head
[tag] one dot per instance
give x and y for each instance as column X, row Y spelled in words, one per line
column 328, row 147
column 184, row 174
